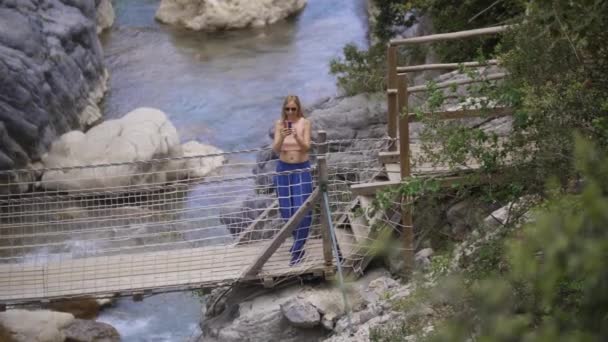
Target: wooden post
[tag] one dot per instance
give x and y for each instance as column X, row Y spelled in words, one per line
column 404, row 161
column 391, row 85
column 404, row 129
column 323, row 179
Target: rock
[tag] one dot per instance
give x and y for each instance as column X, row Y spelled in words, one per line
column 241, row 214
column 141, row 136
column 465, row 215
column 378, row 288
column 82, row 308
column 215, row 303
column 263, row 170
column 203, row 166
column 89, row 331
column 36, row 326
column 328, row 322
column 211, row 15
column 105, row 15
column 360, row 333
column 499, row 217
column 423, row 258
column 257, row 319
column 5, row 335
column 301, row 314
column 400, row 293
column 52, row 75
column 261, row 317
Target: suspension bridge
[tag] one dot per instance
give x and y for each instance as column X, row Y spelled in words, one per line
column 129, row 228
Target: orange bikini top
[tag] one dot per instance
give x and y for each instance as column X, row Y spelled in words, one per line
column 290, row 143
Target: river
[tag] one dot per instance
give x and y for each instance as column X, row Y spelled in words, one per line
column 226, row 88
column 222, row 88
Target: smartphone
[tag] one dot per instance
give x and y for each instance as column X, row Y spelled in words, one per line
column 289, row 124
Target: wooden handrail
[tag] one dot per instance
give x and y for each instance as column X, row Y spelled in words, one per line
column 444, row 66
column 491, row 77
column 449, row 36
column 466, row 113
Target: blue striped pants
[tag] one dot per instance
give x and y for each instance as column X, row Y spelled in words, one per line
column 292, row 190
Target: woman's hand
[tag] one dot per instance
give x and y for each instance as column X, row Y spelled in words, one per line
column 285, row 132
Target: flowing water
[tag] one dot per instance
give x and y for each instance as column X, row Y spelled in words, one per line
column 226, row 88
column 221, row 88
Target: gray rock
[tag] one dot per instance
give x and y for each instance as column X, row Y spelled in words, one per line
column 35, row 326
column 301, row 314
column 465, row 215
column 220, row 15
column 251, row 316
column 81, row 330
column 105, row 15
column 51, row 74
column 423, row 258
column 239, row 216
column 378, row 288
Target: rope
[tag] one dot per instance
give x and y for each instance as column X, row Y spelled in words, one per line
column 334, row 244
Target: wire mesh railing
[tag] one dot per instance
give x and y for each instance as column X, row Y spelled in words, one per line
column 161, row 223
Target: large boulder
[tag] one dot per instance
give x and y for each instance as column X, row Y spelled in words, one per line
column 51, row 74
column 105, row 15
column 81, row 330
column 141, row 135
column 36, row 326
column 213, row 15
column 300, row 313
column 133, row 144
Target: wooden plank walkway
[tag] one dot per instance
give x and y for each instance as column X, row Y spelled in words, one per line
column 107, row 275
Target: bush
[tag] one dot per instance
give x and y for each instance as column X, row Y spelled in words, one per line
column 360, row 71
column 556, row 286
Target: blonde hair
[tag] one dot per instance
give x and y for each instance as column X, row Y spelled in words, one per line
column 295, row 99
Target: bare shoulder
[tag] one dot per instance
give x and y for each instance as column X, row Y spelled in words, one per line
column 307, row 122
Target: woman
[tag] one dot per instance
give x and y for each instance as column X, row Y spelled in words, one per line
column 292, row 143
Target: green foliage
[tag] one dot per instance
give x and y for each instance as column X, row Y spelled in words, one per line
column 360, row 71
column 452, row 16
column 557, row 63
column 391, row 13
column 556, row 286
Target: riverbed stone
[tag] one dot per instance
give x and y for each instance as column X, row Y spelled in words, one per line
column 254, row 315
column 210, row 15
column 36, row 326
column 52, row 74
column 300, row 313
column 136, row 144
column 203, row 160
column 81, row 330
column 105, row 15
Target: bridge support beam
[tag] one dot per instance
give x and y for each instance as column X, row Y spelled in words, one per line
column 281, row 236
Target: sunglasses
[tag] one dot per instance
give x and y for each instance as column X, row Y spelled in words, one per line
column 291, row 109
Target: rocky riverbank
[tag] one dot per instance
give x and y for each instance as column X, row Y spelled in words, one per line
column 53, row 75
column 210, row 15
column 378, row 301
